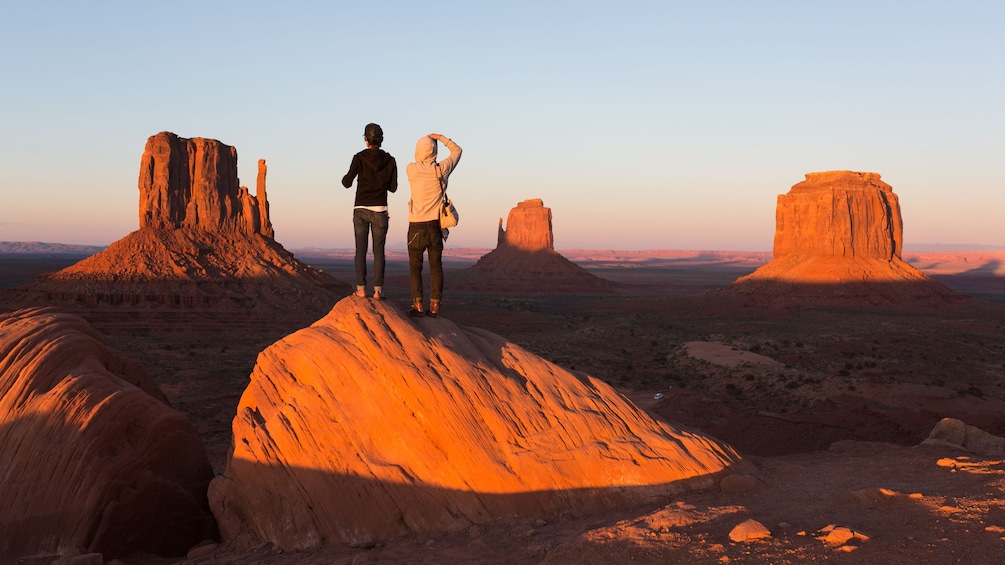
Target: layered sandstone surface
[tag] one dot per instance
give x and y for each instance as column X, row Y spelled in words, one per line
column 204, row 242
column 370, row 424
column 840, row 234
column 91, row 456
column 525, row 258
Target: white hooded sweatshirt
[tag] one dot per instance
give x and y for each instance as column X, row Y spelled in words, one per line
column 424, row 206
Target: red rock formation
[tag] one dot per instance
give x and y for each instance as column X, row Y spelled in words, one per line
column 192, row 183
column 525, row 259
column 91, row 455
column 839, row 235
column 839, row 214
column 370, row 424
column 204, row 243
column 529, row 227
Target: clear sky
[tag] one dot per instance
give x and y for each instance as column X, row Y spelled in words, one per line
column 642, row 125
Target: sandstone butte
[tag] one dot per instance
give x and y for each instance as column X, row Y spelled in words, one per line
column 369, row 424
column 203, row 242
column 839, row 235
column 525, row 258
column 91, row 456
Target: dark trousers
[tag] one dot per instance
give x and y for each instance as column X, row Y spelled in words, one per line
column 365, row 222
column 424, row 236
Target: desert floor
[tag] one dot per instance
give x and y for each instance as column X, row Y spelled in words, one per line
column 830, row 404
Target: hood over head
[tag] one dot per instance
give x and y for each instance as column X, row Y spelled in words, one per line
column 425, row 150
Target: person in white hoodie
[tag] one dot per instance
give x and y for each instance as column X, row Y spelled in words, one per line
column 428, row 181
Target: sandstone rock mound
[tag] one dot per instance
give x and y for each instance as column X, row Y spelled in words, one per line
column 838, row 238
column 525, row 259
column 204, row 244
column 91, row 456
column 370, row 424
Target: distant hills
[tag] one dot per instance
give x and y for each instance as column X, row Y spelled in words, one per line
column 39, row 247
column 42, row 248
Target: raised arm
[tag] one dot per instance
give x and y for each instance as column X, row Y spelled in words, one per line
column 447, row 165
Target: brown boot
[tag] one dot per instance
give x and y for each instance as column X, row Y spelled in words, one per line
column 434, row 308
column 416, row 309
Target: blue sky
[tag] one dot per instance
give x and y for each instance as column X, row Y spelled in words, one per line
column 642, row 125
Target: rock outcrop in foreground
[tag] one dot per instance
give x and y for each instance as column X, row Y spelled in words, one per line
column 370, row 424
column 91, row 456
column 839, row 235
column 204, row 242
column 525, row 259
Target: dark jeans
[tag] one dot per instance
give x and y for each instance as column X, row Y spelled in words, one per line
column 364, row 221
column 423, row 236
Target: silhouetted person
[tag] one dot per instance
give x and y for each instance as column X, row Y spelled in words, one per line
column 428, row 181
column 378, row 175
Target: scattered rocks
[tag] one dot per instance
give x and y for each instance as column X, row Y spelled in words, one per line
column 750, row 530
column 841, row 535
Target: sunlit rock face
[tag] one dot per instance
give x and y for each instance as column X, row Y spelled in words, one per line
column 192, row 183
column 525, row 259
column 839, row 214
column 370, row 424
column 839, row 236
column 203, row 242
column 91, row 456
column 529, row 227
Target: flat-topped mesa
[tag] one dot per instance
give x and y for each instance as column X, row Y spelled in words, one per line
column 838, row 240
column 839, row 214
column 529, row 227
column 192, row 183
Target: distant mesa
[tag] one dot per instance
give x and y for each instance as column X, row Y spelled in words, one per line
column 193, row 184
column 91, row 456
column 369, row 425
column 204, row 242
column 839, row 236
column 525, row 259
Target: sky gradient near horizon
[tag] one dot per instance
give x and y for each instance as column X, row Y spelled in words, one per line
column 642, row 125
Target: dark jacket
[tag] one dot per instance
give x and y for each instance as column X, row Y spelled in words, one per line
column 378, row 175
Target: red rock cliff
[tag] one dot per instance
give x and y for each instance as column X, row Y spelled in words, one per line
column 839, row 214
column 528, row 227
column 192, row 183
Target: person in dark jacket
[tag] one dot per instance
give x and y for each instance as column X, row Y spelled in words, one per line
column 378, row 175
